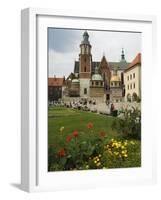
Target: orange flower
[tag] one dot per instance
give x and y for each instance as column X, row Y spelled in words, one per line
column 89, row 125
column 75, row 133
column 61, row 152
column 69, row 138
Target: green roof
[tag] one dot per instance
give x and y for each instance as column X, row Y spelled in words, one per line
column 97, row 77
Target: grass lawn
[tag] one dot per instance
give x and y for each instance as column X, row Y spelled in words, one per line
column 76, row 121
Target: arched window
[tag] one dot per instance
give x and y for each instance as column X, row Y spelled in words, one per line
column 134, row 96
column 128, row 97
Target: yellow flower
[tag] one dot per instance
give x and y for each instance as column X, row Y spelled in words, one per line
column 61, row 129
column 118, row 145
column 132, row 142
column 98, row 164
column 125, row 143
column 125, row 155
column 122, row 147
column 116, row 153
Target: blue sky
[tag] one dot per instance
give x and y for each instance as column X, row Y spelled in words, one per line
column 63, row 47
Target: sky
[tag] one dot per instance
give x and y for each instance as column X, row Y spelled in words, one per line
column 63, row 47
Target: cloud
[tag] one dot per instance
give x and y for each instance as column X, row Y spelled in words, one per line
column 111, row 43
column 63, row 40
column 64, row 47
column 61, row 64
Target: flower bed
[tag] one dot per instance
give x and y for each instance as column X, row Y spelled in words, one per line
column 81, row 150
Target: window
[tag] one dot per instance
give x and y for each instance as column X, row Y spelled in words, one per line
column 129, row 97
column 130, row 76
column 96, row 83
column 85, row 69
column 111, row 83
column 133, row 75
column 130, row 86
column 85, row 90
column 134, row 85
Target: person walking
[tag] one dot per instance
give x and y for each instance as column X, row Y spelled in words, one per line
column 112, row 108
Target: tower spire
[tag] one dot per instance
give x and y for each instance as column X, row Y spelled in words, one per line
column 122, row 54
column 85, row 38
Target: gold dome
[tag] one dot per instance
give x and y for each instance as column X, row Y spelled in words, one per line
column 115, row 78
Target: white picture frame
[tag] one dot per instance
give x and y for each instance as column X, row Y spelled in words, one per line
column 34, row 176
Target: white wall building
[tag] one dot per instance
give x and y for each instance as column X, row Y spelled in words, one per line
column 132, row 80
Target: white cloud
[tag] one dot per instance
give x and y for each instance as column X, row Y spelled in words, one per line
column 109, row 43
column 61, row 64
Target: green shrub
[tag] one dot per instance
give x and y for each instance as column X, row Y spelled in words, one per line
column 129, row 124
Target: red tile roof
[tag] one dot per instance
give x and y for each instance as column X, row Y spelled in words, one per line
column 137, row 60
column 55, row 81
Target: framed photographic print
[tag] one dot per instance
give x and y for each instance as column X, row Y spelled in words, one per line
column 86, row 114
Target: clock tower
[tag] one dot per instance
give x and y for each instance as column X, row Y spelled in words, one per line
column 85, row 65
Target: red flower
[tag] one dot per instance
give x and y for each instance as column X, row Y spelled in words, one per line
column 61, row 152
column 75, row 133
column 89, row 125
column 102, row 134
column 69, row 138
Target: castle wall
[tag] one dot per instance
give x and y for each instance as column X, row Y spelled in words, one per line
column 96, row 92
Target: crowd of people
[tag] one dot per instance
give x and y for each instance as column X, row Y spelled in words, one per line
column 87, row 105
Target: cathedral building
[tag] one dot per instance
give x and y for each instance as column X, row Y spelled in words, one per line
column 96, row 79
column 99, row 80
